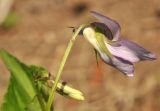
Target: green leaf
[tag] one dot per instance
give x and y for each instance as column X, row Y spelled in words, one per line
column 34, row 105
column 30, row 86
column 21, row 90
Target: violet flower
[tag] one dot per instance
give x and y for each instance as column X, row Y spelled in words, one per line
column 105, row 38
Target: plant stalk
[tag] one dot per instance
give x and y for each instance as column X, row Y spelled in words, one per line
column 59, row 73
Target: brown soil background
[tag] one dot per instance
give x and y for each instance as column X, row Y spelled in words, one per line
column 41, row 36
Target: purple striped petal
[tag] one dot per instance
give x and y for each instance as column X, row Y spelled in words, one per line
column 130, row 51
column 111, row 24
column 139, row 51
column 122, row 65
column 123, row 52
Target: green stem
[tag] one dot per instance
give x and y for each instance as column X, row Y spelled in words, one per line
column 41, row 102
column 58, row 75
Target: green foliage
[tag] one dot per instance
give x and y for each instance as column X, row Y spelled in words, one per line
column 30, row 86
column 10, row 21
column 21, row 90
column 34, row 105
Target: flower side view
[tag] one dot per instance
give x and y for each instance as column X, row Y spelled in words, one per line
column 105, row 38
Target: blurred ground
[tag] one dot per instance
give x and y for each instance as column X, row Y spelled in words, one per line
column 41, row 36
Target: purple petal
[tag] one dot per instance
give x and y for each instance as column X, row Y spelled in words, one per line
column 130, row 51
column 122, row 65
column 123, row 52
column 139, row 51
column 111, row 24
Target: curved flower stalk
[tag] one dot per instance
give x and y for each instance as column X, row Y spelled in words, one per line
column 105, row 38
